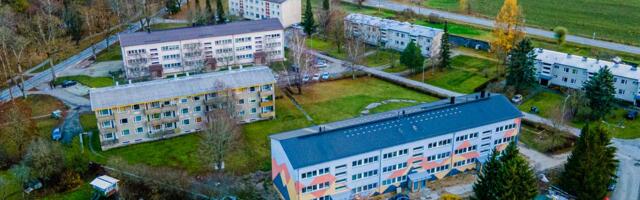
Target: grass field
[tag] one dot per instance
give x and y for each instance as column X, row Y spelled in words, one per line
column 163, row 26
column 113, row 53
column 92, row 82
column 326, row 46
column 545, row 101
column 381, row 57
column 546, row 141
column 467, row 74
column 391, row 106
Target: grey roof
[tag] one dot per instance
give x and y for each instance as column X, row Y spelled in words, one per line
column 129, row 94
column 590, row 64
column 308, row 146
column 188, row 33
column 388, row 24
column 276, row 1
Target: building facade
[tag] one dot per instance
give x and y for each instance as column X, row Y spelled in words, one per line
column 289, row 12
column 393, row 34
column 166, row 53
column 146, row 111
column 571, row 71
column 391, row 151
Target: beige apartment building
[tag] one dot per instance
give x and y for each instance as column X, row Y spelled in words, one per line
column 140, row 112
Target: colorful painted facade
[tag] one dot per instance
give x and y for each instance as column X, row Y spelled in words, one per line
column 403, row 148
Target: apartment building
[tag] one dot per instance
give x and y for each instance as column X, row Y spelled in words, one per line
column 289, row 12
column 391, row 151
column 393, row 34
column 571, row 71
column 139, row 112
column 166, row 53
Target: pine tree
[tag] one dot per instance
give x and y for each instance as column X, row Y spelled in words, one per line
column 445, row 49
column 308, row 23
column 173, row 6
column 600, row 92
column 220, row 12
column 521, row 71
column 325, row 5
column 591, row 166
column 517, row 179
column 485, row 188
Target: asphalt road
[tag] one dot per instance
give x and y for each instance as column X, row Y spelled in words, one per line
column 628, row 187
column 386, row 4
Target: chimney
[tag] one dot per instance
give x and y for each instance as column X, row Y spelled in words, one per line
column 482, row 94
column 540, row 50
column 568, row 55
column 129, row 81
column 117, row 83
column 452, row 100
column 319, row 129
column 240, row 66
column 584, row 59
column 597, row 61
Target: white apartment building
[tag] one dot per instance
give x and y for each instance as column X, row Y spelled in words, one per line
column 288, row 11
column 572, row 71
column 393, row 34
column 401, row 149
column 146, row 111
column 165, row 53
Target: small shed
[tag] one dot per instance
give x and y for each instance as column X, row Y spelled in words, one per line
column 105, row 185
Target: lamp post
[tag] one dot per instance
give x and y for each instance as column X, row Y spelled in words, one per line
column 564, row 104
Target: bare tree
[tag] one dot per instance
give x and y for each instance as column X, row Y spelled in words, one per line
column 355, row 52
column 301, row 60
column 45, row 158
column 221, row 131
column 18, row 47
column 336, row 28
column 137, row 65
column 47, row 31
column 193, row 57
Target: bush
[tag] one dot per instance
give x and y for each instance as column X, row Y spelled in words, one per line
column 435, row 19
column 561, row 34
column 407, row 15
column 69, row 180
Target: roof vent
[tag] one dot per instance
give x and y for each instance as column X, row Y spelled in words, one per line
column 117, row 83
column 129, row 81
column 452, row 100
column 568, row 55
column 617, row 60
column 415, row 128
column 597, row 61
column 584, row 59
column 634, row 68
column 482, row 94
column 540, row 50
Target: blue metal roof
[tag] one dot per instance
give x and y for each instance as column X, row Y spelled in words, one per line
column 309, row 146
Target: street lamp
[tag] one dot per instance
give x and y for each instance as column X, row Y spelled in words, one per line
column 564, row 104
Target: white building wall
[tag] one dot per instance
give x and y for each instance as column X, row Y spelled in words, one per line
column 288, row 12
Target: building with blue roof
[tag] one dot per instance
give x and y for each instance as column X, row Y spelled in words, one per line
column 402, row 148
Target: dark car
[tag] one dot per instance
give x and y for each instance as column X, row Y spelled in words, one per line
column 68, row 83
column 632, row 114
column 56, row 134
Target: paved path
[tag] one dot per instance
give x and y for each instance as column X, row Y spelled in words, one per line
column 387, row 4
column 628, row 187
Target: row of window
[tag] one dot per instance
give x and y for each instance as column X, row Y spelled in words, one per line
column 315, row 173
column 170, row 47
column 394, row 180
column 438, row 169
column 464, row 150
column 364, row 175
column 364, row 161
column 315, row 187
column 506, row 127
column 464, row 162
column 394, row 167
column 438, row 156
column 364, row 187
column 395, row 153
column 503, row 140
column 466, row 137
column 439, row 143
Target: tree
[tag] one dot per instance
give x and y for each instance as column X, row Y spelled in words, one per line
column 560, row 33
column 412, row 56
column 517, row 180
column 326, row 5
column 360, row 2
column 355, row 52
column 335, row 27
column 220, row 12
column 450, row 197
column 485, row 188
column 221, row 132
column 209, row 13
column 73, row 22
column 17, row 128
column 508, row 29
column 600, row 92
column 465, row 6
column 44, row 158
column 445, row 49
column 173, row 6
column 308, row 23
column 591, row 166
column 521, row 71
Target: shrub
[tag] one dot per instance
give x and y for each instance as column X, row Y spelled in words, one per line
column 435, row 19
column 560, row 34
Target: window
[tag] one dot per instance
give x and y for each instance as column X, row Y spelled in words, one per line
column 124, row 121
column 196, row 98
column 140, row 130
column 125, row 132
column 106, row 124
column 241, row 101
column 185, row 122
column 138, row 118
column 136, row 107
column 167, row 114
column 105, row 112
column 198, row 109
column 364, row 161
column 108, row 135
column 183, row 100
column 254, row 110
column 185, row 110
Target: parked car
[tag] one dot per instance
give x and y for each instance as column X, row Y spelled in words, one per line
column 305, row 78
column 316, row 77
column 32, row 185
column 68, row 83
column 56, row 134
column 325, row 76
column 517, row 99
column 56, row 114
column 632, row 114
column 321, row 63
column 534, row 110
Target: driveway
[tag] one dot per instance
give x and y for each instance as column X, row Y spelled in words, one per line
column 628, row 187
column 386, row 4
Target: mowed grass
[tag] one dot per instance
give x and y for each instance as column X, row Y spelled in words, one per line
column 448, row 5
column 391, row 106
column 615, row 20
column 545, row 101
column 326, row 46
column 546, row 141
column 164, row 26
column 381, row 58
column 113, row 53
column 459, row 30
column 89, row 81
column 466, row 74
column 346, row 98
column 83, row 192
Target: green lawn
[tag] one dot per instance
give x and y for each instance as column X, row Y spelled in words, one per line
column 467, row 74
column 381, row 57
column 545, row 101
column 326, row 46
column 346, row 98
column 353, row 8
column 11, row 185
column 391, row 106
column 460, row 30
column 81, row 193
column 163, row 26
column 546, row 141
column 92, row 82
column 113, row 53
column 448, row 5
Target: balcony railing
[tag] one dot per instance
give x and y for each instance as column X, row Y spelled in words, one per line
column 267, row 115
column 160, row 133
column 109, row 142
column 169, row 119
column 105, row 118
column 151, row 111
column 266, row 103
column 265, row 93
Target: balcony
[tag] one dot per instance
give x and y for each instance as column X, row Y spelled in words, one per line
column 161, row 133
column 109, row 142
column 213, row 100
column 152, row 111
column 154, row 122
column 172, row 107
column 268, row 115
column 108, row 130
column 265, row 93
column 105, row 118
column 172, row 119
column 266, row 103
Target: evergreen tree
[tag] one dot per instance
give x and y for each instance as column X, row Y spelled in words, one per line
column 520, row 71
column 600, row 92
column 412, row 56
column 325, row 5
column 308, row 23
column 517, row 180
column 220, row 12
column 485, row 188
column 591, row 166
column 445, row 49
column 173, row 6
